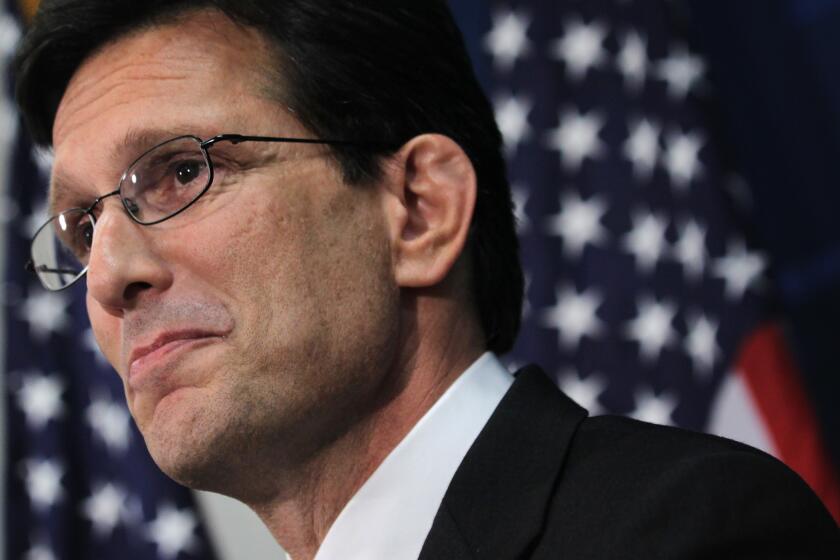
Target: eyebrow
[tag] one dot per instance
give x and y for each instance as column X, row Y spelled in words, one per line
column 132, row 145
column 137, row 141
column 61, row 188
column 64, row 187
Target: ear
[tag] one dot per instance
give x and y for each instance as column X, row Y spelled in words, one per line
column 430, row 207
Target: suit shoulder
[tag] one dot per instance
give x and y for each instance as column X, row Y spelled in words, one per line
column 684, row 488
column 623, row 448
column 635, row 440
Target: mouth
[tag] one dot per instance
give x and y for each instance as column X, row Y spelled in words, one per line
column 163, row 351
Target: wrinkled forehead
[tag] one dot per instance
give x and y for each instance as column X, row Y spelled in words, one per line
column 203, row 50
column 201, row 75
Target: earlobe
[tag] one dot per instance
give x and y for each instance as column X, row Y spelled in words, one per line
column 437, row 194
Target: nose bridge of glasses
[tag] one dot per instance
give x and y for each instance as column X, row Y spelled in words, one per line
column 101, row 198
column 129, row 205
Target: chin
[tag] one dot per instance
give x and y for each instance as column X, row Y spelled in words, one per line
column 180, row 438
column 193, row 460
column 199, row 445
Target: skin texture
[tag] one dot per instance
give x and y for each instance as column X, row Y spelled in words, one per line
column 325, row 318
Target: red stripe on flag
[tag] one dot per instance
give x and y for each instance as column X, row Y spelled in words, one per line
column 769, row 371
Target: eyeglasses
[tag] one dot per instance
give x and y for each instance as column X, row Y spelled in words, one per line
column 160, row 184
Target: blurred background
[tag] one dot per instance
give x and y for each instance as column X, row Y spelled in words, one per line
column 675, row 171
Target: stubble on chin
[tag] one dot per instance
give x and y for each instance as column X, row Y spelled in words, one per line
column 183, row 438
column 214, row 442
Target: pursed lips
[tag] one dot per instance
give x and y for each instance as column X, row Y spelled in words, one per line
column 143, row 358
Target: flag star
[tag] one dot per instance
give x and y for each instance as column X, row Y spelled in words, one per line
column 574, row 316
column 642, row 147
column 35, row 220
column 512, row 117
column 43, row 158
column 652, row 328
column 646, row 241
column 682, row 157
column 9, row 35
column 520, row 195
column 577, row 138
column 633, row 60
column 40, row 552
column 39, row 397
column 579, row 223
column 690, row 249
column 585, row 392
column 681, row 71
column 8, row 122
column 104, row 508
column 701, row 343
column 581, row 47
column 8, row 209
column 110, row 422
column 740, row 269
column 526, row 304
column 43, row 482
column 46, row 313
column 653, row 408
column 172, row 531
column 508, row 41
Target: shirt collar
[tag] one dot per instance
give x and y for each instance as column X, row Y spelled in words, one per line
column 391, row 514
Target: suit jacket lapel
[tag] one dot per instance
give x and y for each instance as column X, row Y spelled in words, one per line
column 497, row 500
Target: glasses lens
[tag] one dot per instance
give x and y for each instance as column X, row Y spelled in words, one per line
column 61, row 248
column 165, row 180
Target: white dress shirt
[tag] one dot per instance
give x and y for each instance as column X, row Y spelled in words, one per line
column 390, row 515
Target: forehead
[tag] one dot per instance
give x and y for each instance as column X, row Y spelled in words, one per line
column 202, row 74
column 197, row 52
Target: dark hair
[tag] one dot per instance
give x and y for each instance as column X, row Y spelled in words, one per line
column 356, row 69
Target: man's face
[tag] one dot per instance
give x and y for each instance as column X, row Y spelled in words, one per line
column 274, row 293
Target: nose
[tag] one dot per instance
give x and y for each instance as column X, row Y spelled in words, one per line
column 123, row 266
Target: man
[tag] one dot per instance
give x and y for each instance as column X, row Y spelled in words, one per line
column 300, row 257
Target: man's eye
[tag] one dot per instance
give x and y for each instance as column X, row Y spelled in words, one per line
column 84, row 238
column 77, row 237
column 87, row 235
column 188, row 171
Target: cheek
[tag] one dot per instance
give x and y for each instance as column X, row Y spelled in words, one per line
column 299, row 269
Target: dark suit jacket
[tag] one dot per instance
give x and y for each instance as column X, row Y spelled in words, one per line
column 543, row 481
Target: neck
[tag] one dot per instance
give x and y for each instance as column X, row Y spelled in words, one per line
column 316, row 492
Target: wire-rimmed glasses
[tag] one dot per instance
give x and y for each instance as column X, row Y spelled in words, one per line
column 160, row 184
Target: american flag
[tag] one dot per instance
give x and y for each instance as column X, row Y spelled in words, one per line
column 79, row 481
column 646, row 294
